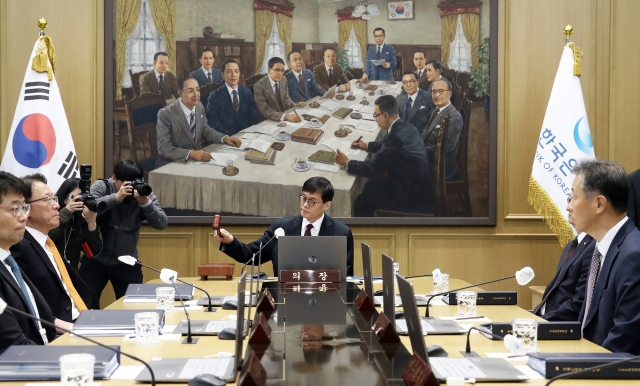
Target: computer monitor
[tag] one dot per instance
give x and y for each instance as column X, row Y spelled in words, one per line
column 388, row 292
column 412, row 317
column 366, row 268
column 313, row 253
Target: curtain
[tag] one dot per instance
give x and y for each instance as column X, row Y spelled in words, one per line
column 284, row 28
column 164, row 18
column 127, row 12
column 471, row 28
column 449, row 24
column 264, row 22
column 360, row 29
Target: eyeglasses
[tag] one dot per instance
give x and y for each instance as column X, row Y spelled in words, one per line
column 375, row 116
column 569, row 200
column 18, row 210
column 378, row 36
column 50, row 200
column 277, row 69
column 308, row 201
column 407, row 82
column 439, row 92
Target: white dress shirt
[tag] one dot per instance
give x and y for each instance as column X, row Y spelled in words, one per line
column 231, row 90
column 158, row 76
column 604, row 244
column 41, row 238
column 316, row 224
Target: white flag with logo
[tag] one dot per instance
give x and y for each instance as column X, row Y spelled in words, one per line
column 565, row 139
column 40, row 140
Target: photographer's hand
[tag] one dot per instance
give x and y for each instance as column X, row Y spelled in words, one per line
column 90, row 218
column 125, row 191
column 141, row 199
column 74, row 205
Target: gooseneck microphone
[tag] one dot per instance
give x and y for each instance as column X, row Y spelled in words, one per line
column 513, row 344
column 130, row 260
column 4, row 306
column 523, row 276
column 279, row 232
column 169, row 276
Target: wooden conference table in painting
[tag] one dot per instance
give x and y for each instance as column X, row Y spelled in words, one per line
column 345, row 364
column 270, row 190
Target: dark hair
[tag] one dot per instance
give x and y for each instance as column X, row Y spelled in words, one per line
column 10, row 184
column 436, row 65
column 320, row 185
column 272, row 62
column 327, row 49
column 379, row 29
column 128, row 170
column 607, row 178
column 30, row 179
column 410, row 73
column 420, row 52
column 224, row 66
column 181, row 82
column 291, row 53
column 207, row 50
column 161, row 53
column 446, row 81
column 387, row 104
column 67, row 187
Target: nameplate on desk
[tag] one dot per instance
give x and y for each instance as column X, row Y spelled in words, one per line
column 254, row 374
column 364, row 302
column 261, row 332
column 546, row 330
column 384, row 330
column 310, row 276
column 309, row 287
column 418, row 373
column 487, row 298
column 266, row 301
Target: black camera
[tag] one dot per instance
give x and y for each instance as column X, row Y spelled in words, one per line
column 141, row 187
column 85, row 184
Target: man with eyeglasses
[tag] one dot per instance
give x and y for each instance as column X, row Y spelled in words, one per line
column 433, row 71
column 317, row 193
column 271, row 94
column 414, row 107
column 16, row 289
column 37, row 255
column 402, row 155
column 379, row 51
column 441, row 94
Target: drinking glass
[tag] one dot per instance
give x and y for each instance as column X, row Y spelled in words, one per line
column 466, row 303
column 527, row 331
column 147, row 328
column 76, row 369
column 443, row 285
column 165, row 298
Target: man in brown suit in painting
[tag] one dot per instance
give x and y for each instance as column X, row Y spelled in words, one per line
column 271, row 94
column 160, row 79
column 421, row 70
column 328, row 74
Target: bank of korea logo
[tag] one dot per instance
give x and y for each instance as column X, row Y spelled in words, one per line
column 34, row 141
column 582, row 136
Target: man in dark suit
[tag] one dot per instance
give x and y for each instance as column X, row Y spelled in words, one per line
column 61, row 286
column 317, row 193
column 182, row 130
column 160, row 80
column 329, row 73
column 231, row 108
column 402, row 155
column 441, row 95
column 414, row 107
column 633, row 207
column 302, row 84
column 15, row 287
column 271, row 94
column 598, row 205
column 421, row 70
column 379, row 51
column 433, row 70
column 207, row 73
column 564, row 295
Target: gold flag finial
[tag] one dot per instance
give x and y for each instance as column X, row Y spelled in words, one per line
column 45, row 57
column 568, row 30
column 577, row 53
column 42, row 23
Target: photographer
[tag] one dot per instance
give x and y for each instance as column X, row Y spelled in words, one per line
column 78, row 230
column 124, row 201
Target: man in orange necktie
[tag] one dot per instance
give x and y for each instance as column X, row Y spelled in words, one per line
column 61, row 286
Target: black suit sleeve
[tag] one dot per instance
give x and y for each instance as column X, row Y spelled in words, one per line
column 349, row 253
column 379, row 163
column 10, row 331
column 242, row 252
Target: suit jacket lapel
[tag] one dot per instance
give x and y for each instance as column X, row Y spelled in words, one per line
column 415, row 107
column 41, row 253
column 270, row 91
column 326, row 229
column 4, row 271
column 563, row 268
column 182, row 120
column 295, row 80
column 436, row 121
column 295, row 227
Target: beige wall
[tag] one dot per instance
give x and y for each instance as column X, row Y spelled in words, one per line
column 530, row 42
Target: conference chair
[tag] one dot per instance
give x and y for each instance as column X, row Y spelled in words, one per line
column 142, row 116
column 459, row 187
column 135, row 81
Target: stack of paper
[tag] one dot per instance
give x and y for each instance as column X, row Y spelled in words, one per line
column 317, row 113
column 329, row 105
column 220, row 159
column 110, row 322
column 335, row 144
column 267, row 129
column 366, row 109
column 367, row 126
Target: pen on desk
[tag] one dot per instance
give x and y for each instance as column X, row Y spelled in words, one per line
column 356, row 141
column 471, row 317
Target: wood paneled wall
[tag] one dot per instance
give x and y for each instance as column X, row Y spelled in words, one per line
column 530, row 43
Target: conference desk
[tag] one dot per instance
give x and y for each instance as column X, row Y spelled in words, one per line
column 205, row 188
column 211, row 345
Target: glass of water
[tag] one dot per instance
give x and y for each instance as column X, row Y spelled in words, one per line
column 147, row 328
column 443, row 285
column 76, row 369
column 466, row 303
column 527, row 331
column 165, row 298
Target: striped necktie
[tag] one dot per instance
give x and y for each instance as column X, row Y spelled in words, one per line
column 307, row 231
column 192, row 124
column 594, row 270
column 23, row 286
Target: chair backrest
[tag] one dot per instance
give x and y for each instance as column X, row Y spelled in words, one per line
column 208, row 89
column 397, row 70
column 135, row 81
column 187, row 71
column 463, row 142
column 252, row 80
column 450, row 74
column 313, row 65
column 142, row 116
column 456, row 91
column 439, row 172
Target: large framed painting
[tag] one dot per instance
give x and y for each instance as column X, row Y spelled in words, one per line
column 450, row 181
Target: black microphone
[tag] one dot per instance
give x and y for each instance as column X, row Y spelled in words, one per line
column 279, row 232
column 130, row 260
column 513, row 344
column 169, row 276
column 590, row 369
column 524, row 276
column 4, row 305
